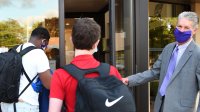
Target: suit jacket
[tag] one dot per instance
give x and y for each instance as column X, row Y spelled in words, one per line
column 184, row 84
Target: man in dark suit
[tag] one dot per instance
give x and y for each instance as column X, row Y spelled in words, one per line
column 177, row 68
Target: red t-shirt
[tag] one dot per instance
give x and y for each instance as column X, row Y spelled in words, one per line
column 63, row 85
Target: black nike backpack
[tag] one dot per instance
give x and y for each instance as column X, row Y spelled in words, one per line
column 11, row 69
column 105, row 93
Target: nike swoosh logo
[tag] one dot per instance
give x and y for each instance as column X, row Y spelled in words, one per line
column 109, row 104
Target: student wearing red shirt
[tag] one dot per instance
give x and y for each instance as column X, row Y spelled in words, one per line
column 85, row 37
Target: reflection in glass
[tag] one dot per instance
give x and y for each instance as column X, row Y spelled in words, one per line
column 160, row 34
column 69, row 48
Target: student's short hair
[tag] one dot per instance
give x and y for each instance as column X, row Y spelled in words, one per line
column 85, row 33
column 41, row 33
column 191, row 16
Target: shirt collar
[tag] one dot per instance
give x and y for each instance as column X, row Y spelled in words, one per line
column 85, row 61
column 184, row 46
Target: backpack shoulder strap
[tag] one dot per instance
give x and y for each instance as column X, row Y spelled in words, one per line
column 28, row 83
column 74, row 71
column 103, row 69
column 26, row 50
column 23, row 52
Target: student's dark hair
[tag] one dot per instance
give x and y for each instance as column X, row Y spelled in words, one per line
column 85, row 33
column 55, row 51
column 41, row 33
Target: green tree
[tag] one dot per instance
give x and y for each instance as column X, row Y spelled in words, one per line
column 36, row 24
column 161, row 31
column 11, row 33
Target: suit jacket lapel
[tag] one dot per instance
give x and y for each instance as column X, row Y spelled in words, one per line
column 184, row 58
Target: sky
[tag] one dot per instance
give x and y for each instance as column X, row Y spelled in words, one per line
column 28, row 10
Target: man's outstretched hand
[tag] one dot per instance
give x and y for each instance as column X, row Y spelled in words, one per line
column 125, row 81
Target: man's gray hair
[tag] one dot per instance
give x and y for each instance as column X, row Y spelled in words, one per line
column 191, row 16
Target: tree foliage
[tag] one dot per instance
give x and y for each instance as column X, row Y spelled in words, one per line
column 36, row 24
column 161, row 31
column 11, row 33
column 160, row 34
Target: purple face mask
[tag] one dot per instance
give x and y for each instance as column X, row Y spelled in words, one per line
column 182, row 37
column 43, row 45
